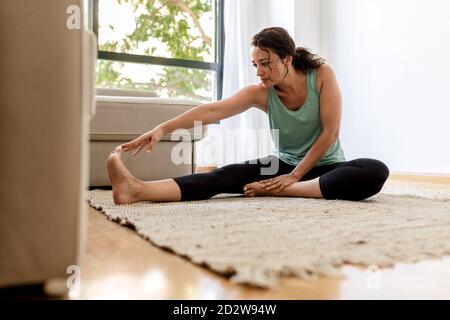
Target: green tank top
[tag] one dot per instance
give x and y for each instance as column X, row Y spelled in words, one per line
column 298, row 130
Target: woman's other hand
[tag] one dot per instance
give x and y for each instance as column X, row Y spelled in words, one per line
column 279, row 182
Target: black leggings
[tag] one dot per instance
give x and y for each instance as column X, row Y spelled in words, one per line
column 351, row 180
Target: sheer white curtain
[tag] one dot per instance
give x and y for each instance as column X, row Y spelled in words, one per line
column 246, row 136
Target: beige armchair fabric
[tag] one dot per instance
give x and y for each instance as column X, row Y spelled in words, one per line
column 46, row 95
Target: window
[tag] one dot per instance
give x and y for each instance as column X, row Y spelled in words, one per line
column 169, row 47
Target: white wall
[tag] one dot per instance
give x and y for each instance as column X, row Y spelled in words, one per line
column 392, row 62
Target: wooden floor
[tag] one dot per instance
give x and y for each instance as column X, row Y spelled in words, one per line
column 119, row 264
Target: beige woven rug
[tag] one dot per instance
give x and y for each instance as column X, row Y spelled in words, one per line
column 256, row 240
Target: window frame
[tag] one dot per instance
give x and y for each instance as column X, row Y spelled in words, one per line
column 161, row 61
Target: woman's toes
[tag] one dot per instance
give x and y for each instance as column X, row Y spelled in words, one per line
column 117, row 151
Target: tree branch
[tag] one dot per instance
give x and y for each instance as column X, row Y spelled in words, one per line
column 186, row 9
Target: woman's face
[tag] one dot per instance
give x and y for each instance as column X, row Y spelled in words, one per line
column 270, row 69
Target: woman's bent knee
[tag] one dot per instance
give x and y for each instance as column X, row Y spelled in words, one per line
column 382, row 171
column 360, row 184
column 378, row 173
column 375, row 170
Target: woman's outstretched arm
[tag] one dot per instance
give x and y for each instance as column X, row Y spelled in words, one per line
column 215, row 111
column 254, row 95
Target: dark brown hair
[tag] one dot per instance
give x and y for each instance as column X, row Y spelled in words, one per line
column 279, row 41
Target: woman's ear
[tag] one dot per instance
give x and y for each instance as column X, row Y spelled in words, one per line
column 287, row 60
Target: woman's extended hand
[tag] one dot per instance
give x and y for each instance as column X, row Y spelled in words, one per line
column 279, row 182
column 147, row 140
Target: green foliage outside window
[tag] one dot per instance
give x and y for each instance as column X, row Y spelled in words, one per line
column 174, row 24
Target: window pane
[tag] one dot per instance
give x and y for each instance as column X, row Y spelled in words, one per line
column 163, row 80
column 182, row 29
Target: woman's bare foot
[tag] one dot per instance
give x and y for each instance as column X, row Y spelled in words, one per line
column 255, row 189
column 125, row 186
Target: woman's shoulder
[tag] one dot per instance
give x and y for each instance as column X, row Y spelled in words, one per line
column 259, row 94
column 325, row 72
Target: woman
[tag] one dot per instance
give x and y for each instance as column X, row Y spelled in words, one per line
column 300, row 94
